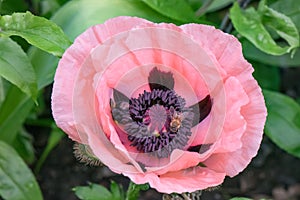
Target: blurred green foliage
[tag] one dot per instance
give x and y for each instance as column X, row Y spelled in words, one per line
column 253, row 25
column 99, row 192
column 16, row 179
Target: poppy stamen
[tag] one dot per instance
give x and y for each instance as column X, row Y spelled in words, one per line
column 156, row 122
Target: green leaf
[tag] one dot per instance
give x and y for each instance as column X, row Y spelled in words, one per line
column 175, row 9
column 283, row 122
column 252, row 53
column 253, row 25
column 36, row 5
column 116, row 190
column 76, row 16
column 44, row 65
column 10, row 6
column 2, row 91
column 23, row 145
column 268, row 77
column 16, row 67
column 55, row 136
column 195, row 4
column 93, row 192
column 290, row 8
column 48, row 7
column 133, row 191
column 16, row 180
column 13, row 112
column 219, row 4
column 280, row 23
column 38, row 31
column 16, row 105
column 99, row 192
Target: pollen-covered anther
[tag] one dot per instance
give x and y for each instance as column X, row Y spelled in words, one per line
column 175, row 123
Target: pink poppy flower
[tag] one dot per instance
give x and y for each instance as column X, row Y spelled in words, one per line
column 173, row 106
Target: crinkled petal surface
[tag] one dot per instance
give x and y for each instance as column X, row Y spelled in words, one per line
column 120, row 54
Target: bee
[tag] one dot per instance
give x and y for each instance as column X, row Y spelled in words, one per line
column 175, row 123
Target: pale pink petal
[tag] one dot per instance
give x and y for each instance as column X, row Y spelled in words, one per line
column 189, row 180
column 88, row 116
column 114, row 138
column 235, row 124
column 225, row 48
column 72, row 61
column 228, row 52
column 179, row 160
column 255, row 114
column 109, row 156
column 63, row 87
column 202, row 130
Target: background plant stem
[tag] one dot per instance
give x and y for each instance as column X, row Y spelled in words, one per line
column 226, row 24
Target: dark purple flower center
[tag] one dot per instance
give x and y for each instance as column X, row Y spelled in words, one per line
column 166, row 120
column 157, row 121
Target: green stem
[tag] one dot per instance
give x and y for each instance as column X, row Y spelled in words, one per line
column 133, row 191
column 226, row 24
column 203, row 8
